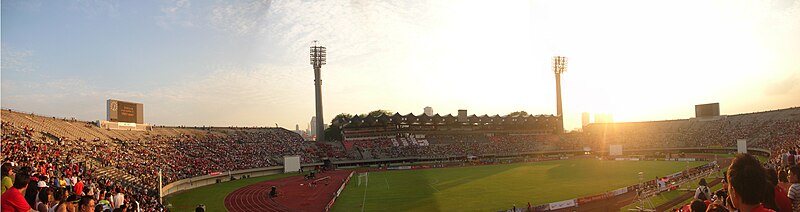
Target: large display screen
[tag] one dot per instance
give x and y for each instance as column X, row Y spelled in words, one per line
column 706, row 110
column 120, row 111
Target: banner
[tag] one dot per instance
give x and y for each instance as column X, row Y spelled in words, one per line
column 562, row 204
column 542, row 207
column 399, row 168
column 618, row 192
column 584, row 200
column 215, row 173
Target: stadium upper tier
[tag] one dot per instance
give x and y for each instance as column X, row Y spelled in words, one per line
column 763, row 129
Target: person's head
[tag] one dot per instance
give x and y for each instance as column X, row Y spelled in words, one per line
column 794, row 174
column 21, row 181
column 783, row 175
column 698, row 205
column 72, row 203
column 772, row 176
column 703, row 182
column 59, row 195
column 746, row 181
column 46, row 195
column 716, row 207
column 7, row 169
column 86, row 204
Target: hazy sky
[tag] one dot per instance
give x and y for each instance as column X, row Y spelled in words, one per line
column 245, row 63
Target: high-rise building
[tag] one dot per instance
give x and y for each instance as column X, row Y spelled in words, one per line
column 428, row 111
column 313, row 128
column 585, row 119
column 603, row 118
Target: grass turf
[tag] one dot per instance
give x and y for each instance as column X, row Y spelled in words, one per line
column 496, row 187
column 213, row 196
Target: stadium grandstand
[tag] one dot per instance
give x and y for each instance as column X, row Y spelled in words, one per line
column 129, row 161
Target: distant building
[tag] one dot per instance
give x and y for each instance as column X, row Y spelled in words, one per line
column 313, row 128
column 585, row 119
column 428, row 111
column 603, row 118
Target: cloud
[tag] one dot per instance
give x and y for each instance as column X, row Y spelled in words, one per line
column 95, row 8
column 17, row 60
column 176, row 13
column 29, row 5
column 784, row 86
column 240, row 17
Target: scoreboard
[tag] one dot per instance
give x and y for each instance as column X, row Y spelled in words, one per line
column 706, row 110
column 121, row 111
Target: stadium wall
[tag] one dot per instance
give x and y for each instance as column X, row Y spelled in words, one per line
column 200, row 181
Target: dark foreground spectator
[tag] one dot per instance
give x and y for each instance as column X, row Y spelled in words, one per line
column 747, row 184
column 794, row 190
column 698, row 205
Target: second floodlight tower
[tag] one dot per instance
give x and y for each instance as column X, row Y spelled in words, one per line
column 318, row 55
column 559, row 67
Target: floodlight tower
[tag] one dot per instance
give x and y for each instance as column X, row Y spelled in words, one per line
column 559, row 67
column 318, row 55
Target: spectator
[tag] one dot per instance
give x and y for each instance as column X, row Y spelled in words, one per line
column 747, row 183
column 716, row 207
column 46, row 201
column 7, row 172
column 119, row 198
column 698, row 205
column 794, row 189
column 702, row 192
column 12, row 200
column 86, row 204
column 782, row 202
column 79, row 186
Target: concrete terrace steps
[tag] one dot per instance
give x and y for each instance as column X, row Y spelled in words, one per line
column 118, row 175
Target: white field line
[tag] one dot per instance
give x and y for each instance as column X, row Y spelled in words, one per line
column 364, row 201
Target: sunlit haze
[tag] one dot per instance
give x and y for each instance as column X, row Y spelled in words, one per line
column 245, row 63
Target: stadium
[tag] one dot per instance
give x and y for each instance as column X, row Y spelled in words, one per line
column 181, row 105
column 442, row 167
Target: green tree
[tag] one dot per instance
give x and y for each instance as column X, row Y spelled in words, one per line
column 376, row 113
column 518, row 113
column 334, row 133
column 341, row 115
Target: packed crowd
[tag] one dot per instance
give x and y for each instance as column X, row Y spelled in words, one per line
column 40, row 174
column 767, row 134
column 55, row 166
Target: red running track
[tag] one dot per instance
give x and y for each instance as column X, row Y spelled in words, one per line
column 291, row 195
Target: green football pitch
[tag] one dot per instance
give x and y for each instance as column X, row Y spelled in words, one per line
column 495, row 187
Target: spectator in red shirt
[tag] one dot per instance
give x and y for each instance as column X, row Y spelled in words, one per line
column 79, row 187
column 781, row 200
column 12, row 200
column 748, row 184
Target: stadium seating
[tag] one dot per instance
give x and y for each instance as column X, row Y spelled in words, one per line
column 132, row 159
